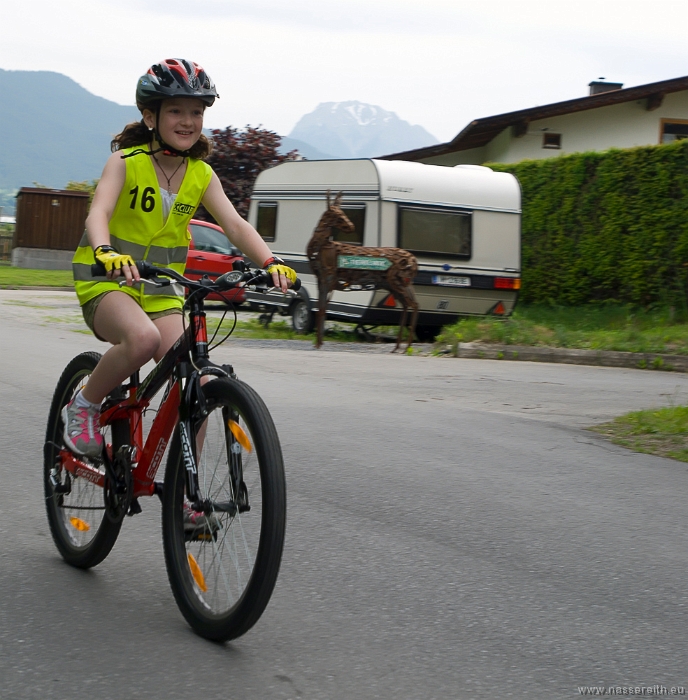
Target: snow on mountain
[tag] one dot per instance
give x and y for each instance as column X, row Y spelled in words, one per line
column 358, row 130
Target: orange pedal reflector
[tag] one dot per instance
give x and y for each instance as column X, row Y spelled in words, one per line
column 390, row 301
column 79, row 524
column 239, row 434
column 499, row 310
column 196, row 572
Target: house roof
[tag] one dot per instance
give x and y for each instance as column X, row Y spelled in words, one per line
column 52, row 192
column 481, row 131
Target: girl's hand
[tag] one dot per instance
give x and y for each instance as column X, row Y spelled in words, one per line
column 129, row 272
column 117, row 264
column 282, row 275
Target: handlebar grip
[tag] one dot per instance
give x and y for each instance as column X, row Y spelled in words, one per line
column 297, row 284
column 145, row 269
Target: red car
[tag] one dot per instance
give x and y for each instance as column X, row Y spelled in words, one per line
column 211, row 253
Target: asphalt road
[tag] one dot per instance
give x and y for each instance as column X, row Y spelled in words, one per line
column 453, row 532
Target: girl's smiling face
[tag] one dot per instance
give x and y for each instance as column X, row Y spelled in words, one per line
column 181, row 121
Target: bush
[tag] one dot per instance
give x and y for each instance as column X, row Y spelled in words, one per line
column 238, row 158
column 610, row 226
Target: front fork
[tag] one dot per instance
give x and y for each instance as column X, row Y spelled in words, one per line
column 194, row 411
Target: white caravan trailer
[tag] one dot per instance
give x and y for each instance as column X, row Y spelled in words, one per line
column 463, row 224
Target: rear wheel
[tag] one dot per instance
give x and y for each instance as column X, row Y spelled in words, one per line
column 223, row 570
column 82, row 532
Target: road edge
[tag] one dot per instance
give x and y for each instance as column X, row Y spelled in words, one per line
column 603, row 358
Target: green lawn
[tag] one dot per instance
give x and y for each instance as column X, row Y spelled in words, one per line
column 662, row 432
column 607, row 327
column 21, row 277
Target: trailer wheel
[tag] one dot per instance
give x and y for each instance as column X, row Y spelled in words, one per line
column 427, row 333
column 302, row 318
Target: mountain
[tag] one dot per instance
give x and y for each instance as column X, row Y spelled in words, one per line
column 358, row 130
column 52, row 130
column 305, row 149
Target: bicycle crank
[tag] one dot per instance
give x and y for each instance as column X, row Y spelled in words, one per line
column 118, row 488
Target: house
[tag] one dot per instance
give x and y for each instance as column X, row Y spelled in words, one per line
column 609, row 117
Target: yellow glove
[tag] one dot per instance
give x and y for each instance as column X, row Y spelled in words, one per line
column 277, row 265
column 111, row 259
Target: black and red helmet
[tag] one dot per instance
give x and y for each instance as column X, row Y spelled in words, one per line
column 174, row 77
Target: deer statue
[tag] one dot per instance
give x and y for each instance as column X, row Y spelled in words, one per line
column 343, row 266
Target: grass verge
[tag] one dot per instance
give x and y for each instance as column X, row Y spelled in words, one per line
column 606, row 327
column 21, row 277
column 662, row 432
column 280, row 330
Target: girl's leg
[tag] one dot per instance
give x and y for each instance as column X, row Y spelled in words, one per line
column 135, row 339
column 170, row 328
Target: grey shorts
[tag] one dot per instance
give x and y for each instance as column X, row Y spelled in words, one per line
column 89, row 312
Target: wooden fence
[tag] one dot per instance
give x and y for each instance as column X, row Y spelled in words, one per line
column 5, row 247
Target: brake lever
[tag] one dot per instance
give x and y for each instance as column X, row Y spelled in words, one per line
column 266, row 290
column 155, row 283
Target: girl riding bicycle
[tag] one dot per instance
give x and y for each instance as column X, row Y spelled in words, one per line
column 151, row 186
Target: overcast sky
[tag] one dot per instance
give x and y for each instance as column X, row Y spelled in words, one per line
column 437, row 63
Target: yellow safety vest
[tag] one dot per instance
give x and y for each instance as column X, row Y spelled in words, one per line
column 137, row 229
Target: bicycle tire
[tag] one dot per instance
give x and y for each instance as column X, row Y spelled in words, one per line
column 81, row 530
column 223, row 580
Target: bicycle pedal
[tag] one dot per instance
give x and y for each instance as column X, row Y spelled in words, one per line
column 134, row 507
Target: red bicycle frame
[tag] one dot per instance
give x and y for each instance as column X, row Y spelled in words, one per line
column 148, row 455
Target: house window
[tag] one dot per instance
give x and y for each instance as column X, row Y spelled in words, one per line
column 550, row 140
column 673, row 130
column 435, row 232
column 356, row 215
column 266, row 223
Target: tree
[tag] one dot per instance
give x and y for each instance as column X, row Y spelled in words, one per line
column 238, row 157
column 84, row 186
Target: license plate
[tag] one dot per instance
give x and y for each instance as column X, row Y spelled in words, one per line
column 451, row 281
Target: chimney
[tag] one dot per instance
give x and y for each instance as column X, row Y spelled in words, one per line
column 598, row 86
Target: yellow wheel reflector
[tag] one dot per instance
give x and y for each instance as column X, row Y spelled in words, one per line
column 79, row 524
column 196, row 572
column 240, row 435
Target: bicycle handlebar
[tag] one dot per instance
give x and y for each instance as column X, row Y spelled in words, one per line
column 230, row 280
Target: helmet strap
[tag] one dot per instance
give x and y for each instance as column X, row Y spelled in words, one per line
column 162, row 146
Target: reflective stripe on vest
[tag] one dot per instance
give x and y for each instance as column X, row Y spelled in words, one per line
column 137, row 229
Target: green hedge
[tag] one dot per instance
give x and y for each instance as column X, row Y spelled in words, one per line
column 610, row 226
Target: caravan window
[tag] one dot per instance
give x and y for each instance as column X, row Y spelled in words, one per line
column 356, row 214
column 433, row 231
column 266, row 223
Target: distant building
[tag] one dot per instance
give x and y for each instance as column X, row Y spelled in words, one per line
column 609, row 117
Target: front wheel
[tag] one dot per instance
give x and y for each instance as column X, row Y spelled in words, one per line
column 223, row 562
column 82, row 532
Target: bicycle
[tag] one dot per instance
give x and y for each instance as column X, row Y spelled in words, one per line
column 225, row 467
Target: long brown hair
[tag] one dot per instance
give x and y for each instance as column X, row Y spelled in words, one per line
column 138, row 134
